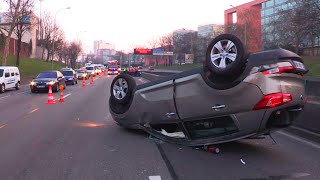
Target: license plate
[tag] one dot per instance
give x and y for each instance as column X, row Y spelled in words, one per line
column 299, row 65
column 40, row 86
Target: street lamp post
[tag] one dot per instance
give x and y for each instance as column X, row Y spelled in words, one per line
column 54, row 33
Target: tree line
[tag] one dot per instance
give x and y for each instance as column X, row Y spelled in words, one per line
column 19, row 19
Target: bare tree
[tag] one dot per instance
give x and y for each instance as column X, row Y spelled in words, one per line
column 14, row 12
column 296, row 26
column 74, row 50
column 23, row 25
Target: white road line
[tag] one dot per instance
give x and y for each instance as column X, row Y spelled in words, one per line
column 5, row 96
column 305, row 130
column 22, row 92
column 300, row 139
column 34, row 110
column 313, row 102
column 2, row 126
column 154, row 177
column 67, row 95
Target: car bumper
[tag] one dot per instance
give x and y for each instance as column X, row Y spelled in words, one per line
column 40, row 87
column 113, row 72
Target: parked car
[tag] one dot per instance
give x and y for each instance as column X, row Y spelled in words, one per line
column 9, row 78
column 46, row 79
column 70, row 77
column 233, row 96
column 82, row 74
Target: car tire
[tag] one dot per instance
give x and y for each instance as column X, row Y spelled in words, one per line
column 122, row 88
column 2, row 88
column 33, row 91
column 56, row 88
column 76, row 81
column 18, row 85
column 225, row 56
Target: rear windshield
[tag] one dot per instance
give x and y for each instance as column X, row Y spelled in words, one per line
column 1, row 72
column 67, row 73
column 113, row 66
column 47, row 75
column 89, row 68
column 81, row 71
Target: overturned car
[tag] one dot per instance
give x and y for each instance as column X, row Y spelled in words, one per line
column 233, row 96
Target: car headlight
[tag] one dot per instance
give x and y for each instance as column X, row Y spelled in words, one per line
column 84, row 75
column 51, row 83
column 32, row 83
column 92, row 72
column 70, row 79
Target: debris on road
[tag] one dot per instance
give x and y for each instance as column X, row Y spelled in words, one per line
column 174, row 135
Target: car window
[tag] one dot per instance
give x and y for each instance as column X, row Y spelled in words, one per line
column 12, row 73
column 1, row 72
column 67, row 73
column 47, row 75
column 89, row 68
column 7, row 74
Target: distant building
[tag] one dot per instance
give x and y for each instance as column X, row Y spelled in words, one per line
column 103, row 51
column 247, row 24
column 29, row 35
column 210, row 30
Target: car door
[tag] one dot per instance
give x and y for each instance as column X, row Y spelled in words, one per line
column 195, row 99
column 7, row 79
column 12, row 78
column 156, row 102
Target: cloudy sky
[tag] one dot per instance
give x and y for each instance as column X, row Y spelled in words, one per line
column 130, row 22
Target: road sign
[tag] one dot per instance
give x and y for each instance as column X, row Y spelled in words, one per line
column 168, row 53
column 158, row 52
column 142, row 51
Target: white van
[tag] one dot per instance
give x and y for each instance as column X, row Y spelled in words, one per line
column 9, row 78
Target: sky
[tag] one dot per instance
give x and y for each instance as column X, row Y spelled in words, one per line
column 126, row 23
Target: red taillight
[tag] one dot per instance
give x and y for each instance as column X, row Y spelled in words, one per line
column 279, row 70
column 273, row 100
column 108, row 69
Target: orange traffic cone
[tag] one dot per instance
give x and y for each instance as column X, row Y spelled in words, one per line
column 50, row 96
column 83, row 83
column 91, row 79
column 61, row 94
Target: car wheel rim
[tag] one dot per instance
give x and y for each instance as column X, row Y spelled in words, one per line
column 18, row 85
column 120, row 88
column 223, row 54
column 2, row 88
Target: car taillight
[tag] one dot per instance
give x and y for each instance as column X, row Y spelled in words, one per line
column 273, row 100
column 108, row 69
column 279, row 70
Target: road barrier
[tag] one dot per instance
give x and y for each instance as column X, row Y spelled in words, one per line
column 50, row 96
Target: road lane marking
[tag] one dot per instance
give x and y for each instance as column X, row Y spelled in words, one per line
column 34, row 110
column 22, row 92
column 67, row 95
column 2, row 126
column 300, row 139
column 305, row 130
column 5, row 96
column 313, row 102
column 154, row 177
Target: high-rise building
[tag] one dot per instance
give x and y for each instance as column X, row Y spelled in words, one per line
column 209, row 30
column 247, row 24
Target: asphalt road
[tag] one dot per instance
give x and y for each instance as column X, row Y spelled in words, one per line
column 79, row 140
